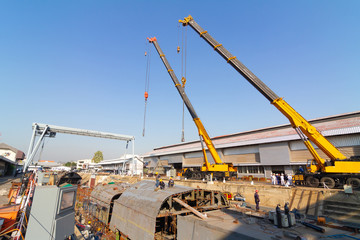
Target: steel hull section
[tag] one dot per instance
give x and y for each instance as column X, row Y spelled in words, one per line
column 102, row 198
column 136, row 211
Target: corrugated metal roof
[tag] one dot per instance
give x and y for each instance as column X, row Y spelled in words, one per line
column 135, row 212
column 342, row 131
column 5, row 146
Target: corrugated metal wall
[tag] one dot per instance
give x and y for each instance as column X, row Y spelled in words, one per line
column 243, row 158
column 193, row 162
column 177, row 158
column 303, row 155
column 274, row 154
column 241, row 150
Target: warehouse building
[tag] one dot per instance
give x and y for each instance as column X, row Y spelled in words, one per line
column 261, row 152
column 127, row 164
column 10, row 159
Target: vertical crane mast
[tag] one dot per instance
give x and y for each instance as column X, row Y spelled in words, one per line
column 204, row 137
column 305, row 130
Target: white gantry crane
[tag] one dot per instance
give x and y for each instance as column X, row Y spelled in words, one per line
column 46, row 130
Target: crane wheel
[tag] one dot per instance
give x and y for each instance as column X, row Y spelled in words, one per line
column 312, row 182
column 354, row 182
column 328, row 181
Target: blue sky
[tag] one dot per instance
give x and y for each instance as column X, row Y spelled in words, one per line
column 81, row 64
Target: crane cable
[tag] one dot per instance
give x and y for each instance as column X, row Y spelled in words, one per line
column 42, row 149
column 147, row 83
column 183, row 71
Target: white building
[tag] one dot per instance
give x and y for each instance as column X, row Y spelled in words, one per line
column 61, row 168
column 11, row 153
column 10, row 158
column 83, row 164
column 127, row 164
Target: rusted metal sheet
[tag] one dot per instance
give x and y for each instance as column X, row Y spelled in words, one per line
column 136, row 211
column 101, row 199
column 103, row 194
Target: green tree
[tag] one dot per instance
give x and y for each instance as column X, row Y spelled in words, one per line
column 68, row 164
column 98, row 157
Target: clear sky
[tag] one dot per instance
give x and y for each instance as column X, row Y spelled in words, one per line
column 81, row 64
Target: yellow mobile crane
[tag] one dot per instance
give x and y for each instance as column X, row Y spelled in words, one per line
column 336, row 171
column 219, row 168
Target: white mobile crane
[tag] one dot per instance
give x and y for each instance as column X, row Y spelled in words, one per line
column 335, row 171
column 219, row 169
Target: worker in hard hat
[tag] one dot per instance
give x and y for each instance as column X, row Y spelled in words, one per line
column 162, row 184
column 257, row 199
column 157, row 178
column 171, row 182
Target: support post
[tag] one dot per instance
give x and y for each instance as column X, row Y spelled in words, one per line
column 133, row 152
column 30, row 159
column 31, row 146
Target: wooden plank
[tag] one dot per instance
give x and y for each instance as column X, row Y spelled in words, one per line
column 197, row 213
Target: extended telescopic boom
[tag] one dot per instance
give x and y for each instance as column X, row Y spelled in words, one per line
column 305, row 130
column 204, row 137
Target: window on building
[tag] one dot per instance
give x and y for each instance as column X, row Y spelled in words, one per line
column 261, row 169
column 253, row 169
column 242, row 169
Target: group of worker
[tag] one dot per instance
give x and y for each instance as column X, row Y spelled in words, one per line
column 159, row 183
column 281, row 179
column 278, row 210
column 278, row 214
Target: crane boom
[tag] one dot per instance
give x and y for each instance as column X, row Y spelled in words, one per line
column 219, row 165
column 302, row 127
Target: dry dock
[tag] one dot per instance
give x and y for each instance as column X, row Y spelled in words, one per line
column 197, row 210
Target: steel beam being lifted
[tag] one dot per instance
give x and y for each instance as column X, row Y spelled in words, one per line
column 45, row 130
